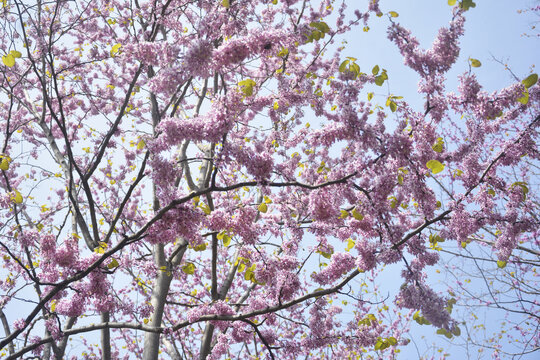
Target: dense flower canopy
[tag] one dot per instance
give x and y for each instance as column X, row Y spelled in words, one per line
column 216, row 179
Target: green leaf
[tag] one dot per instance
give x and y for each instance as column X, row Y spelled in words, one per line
column 16, row 54
column 115, row 50
column 530, row 80
column 350, row 244
column 321, row 26
column 523, row 186
column 357, row 215
column 141, row 144
column 113, row 264
column 456, row 331
column 475, row 62
column 16, row 197
column 435, row 166
column 393, row 106
column 201, row 247
column 284, row 52
column 355, row 68
column 343, row 65
column 439, row 145
column 4, row 163
column 375, row 70
column 392, row 340
column 525, row 98
column 247, row 86
column 189, row 268
column 8, row 60
column 263, row 207
column 467, row 4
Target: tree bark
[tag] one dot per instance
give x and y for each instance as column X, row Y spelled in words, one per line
column 159, row 296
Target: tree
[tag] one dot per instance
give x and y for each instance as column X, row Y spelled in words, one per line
column 211, row 179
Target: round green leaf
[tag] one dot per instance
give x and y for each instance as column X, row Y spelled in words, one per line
column 8, row 60
column 435, row 166
column 475, row 62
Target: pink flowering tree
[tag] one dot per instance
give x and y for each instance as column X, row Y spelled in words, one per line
column 214, row 179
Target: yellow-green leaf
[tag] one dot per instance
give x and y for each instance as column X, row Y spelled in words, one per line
column 370, row 96
column 16, row 54
column 8, row 60
column 4, row 163
column 141, row 144
column 439, row 145
column 451, row 2
column 435, row 166
column 189, row 268
column 375, row 70
column 201, row 247
column 475, row 62
column 263, row 207
column 226, row 240
column 247, row 86
column 350, row 244
column 225, row 3
column 441, row 332
column 357, row 215
column 343, row 65
column 501, row 264
column 113, row 264
column 393, row 14
column 206, row 209
column 16, row 197
column 326, row 255
column 284, row 52
column 525, row 98
column 115, row 50
column 530, row 80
